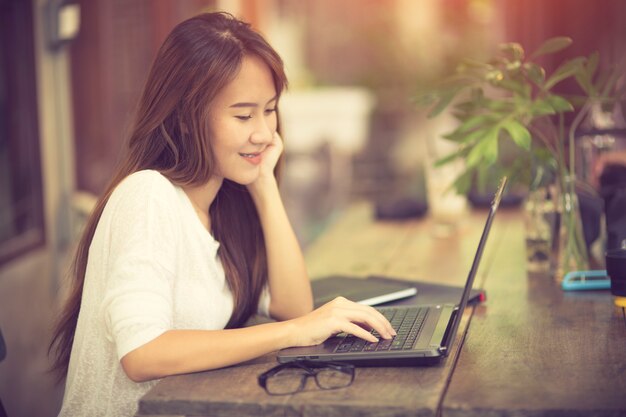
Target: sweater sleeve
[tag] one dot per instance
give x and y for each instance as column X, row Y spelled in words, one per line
column 141, row 227
column 264, row 302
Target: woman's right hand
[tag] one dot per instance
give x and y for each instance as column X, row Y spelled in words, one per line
column 340, row 315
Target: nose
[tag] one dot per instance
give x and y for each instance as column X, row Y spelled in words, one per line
column 263, row 132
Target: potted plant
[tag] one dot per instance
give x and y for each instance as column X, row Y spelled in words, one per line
column 511, row 99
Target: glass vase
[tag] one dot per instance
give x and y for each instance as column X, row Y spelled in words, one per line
column 571, row 249
column 539, row 224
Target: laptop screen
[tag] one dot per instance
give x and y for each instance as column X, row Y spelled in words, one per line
column 479, row 252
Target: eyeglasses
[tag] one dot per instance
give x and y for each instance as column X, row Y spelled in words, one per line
column 290, row 378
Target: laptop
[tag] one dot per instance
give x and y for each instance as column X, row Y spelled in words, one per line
column 368, row 291
column 425, row 332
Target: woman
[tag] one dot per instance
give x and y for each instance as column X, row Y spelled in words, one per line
column 191, row 238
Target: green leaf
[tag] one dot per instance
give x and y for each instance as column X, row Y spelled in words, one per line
column 499, row 106
column 519, row 134
column 469, row 138
column 454, row 136
column 474, row 122
column 552, row 45
column 445, row 99
column 513, row 67
column 477, row 135
column 468, row 107
column 536, row 73
column 514, row 86
column 514, row 49
column 584, row 83
column 485, row 151
column 585, row 78
column 541, row 107
column 559, row 104
column 449, row 158
column 566, row 70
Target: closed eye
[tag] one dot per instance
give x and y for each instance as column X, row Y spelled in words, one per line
column 246, row 117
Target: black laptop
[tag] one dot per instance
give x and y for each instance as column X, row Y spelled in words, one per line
column 425, row 332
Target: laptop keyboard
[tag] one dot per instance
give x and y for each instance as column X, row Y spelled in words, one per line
column 406, row 321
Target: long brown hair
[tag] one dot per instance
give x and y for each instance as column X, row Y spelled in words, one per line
column 170, row 134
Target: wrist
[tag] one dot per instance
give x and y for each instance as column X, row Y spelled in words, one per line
column 287, row 334
column 263, row 189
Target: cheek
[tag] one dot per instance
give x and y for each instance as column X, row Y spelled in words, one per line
column 224, row 147
column 226, row 136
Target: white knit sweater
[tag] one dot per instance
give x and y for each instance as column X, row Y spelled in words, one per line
column 152, row 267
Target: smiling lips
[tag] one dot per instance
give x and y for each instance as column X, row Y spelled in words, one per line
column 253, row 158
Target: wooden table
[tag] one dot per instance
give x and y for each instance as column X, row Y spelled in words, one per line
column 530, row 349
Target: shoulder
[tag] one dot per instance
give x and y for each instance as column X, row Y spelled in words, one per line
column 144, row 191
column 144, row 210
column 145, row 181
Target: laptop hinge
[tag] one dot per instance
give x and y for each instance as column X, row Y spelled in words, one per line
column 450, row 332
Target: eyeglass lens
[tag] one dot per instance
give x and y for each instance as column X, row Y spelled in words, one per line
column 292, row 380
column 332, row 378
column 286, row 381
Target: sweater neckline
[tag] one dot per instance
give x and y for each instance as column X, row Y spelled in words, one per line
column 191, row 211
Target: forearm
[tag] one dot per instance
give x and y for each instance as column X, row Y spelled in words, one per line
column 290, row 287
column 184, row 351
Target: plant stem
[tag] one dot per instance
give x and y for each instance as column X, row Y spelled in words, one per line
column 561, row 147
column 572, row 135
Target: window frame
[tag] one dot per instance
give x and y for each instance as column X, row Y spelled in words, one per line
column 22, row 127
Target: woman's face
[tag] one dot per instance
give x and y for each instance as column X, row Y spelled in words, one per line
column 243, row 121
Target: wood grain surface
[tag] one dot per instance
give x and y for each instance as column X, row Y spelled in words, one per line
column 534, row 350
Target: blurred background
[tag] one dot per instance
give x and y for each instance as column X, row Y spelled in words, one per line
column 71, row 73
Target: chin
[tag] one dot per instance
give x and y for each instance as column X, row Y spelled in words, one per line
column 244, row 175
column 241, row 180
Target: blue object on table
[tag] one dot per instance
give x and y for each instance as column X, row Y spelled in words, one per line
column 586, row 280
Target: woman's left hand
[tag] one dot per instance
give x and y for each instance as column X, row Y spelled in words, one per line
column 271, row 155
column 268, row 163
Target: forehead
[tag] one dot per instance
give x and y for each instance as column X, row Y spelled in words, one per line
column 252, row 84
